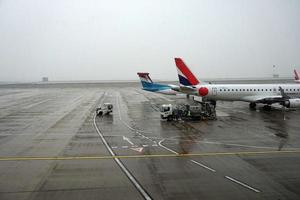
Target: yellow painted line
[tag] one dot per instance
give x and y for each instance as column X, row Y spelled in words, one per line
column 240, row 153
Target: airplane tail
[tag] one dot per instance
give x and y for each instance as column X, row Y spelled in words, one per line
column 145, row 80
column 296, row 75
column 186, row 77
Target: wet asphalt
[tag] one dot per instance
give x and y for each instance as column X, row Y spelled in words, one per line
column 51, row 147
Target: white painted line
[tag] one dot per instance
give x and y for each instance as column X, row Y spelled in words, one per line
column 140, row 149
column 238, row 145
column 166, row 147
column 243, row 184
column 114, row 147
column 128, row 140
column 154, row 145
column 145, row 145
column 121, row 117
column 121, row 165
column 35, row 104
column 127, row 125
column 125, row 147
column 204, row 166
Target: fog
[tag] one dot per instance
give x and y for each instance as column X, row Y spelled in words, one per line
column 112, row 40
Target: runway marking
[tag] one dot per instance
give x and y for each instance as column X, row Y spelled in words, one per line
column 161, row 145
column 35, row 104
column 243, row 184
column 128, row 140
column 121, row 165
column 138, row 149
column 147, row 156
column 134, row 146
column 238, row 145
column 204, row 166
column 119, row 111
column 127, row 125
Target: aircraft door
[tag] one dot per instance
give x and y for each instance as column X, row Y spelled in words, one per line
column 214, row 91
column 274, row 90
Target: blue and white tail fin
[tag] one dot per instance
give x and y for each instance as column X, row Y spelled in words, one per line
column 150, row 86
column 186, row 77
column 145, row 80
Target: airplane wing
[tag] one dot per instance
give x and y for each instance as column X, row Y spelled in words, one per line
column 174, row 87
column 185, row 89
column 265, row 99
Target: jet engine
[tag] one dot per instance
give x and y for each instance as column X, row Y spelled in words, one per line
column 292, row 103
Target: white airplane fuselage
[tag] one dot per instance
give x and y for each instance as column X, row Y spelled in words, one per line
column 245, row 92
column 287, row 95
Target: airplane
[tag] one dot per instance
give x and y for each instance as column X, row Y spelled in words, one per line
column 297, row 78
column 150, row 86
column 287, row 95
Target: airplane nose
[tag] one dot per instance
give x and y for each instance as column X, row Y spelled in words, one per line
column 203, row 91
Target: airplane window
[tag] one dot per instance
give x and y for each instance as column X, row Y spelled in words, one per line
column 290, row 89
column 240, row 89
column 286, row 89
column 250, row 89
column 224, row 90
column 274, row 89
column 270, row 89
column 254, row 89
column 243, row 89
column 294, row 89
column 236, row 90
column 220, row 90
column 258, row 90
column 247, row 89
column 232, row 90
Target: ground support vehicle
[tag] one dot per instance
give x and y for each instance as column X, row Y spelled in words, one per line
column 199, row 111
column 105, row 109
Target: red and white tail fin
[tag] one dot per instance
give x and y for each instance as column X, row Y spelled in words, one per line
column 297, row 78
column 186, row 77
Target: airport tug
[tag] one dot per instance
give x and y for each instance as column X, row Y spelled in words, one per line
column 105, row 109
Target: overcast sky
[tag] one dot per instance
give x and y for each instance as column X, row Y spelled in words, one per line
column 112, row 40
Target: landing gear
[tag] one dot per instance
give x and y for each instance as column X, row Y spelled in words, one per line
column 252, row 106
column 214, row 103
column 267, row 107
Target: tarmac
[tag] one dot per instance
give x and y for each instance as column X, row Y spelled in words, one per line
column 52, row 146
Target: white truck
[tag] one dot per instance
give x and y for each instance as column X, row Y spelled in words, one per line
column 105, row 109
column 199, row 111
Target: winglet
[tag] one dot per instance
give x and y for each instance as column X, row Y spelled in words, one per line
column 283, row 94
column 186, row 77
column 296, row 75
